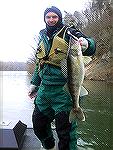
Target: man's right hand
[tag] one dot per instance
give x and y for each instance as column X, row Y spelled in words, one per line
column 32, row 91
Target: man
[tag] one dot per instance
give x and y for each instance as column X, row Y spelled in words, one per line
column 52, row 100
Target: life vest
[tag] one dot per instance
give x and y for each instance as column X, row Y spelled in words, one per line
column 58, row 50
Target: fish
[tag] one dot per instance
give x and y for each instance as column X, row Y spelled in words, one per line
column 75, row 77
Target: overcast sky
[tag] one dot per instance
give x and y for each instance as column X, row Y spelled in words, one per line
column 20, row 20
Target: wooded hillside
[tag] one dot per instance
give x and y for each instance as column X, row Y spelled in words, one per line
column 97, row 21
column 12, row 66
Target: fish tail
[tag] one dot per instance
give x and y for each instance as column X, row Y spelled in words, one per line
column 78, row 115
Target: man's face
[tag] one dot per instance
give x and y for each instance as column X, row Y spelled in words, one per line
column 51, row 18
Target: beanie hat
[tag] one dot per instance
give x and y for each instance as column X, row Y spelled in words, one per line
column 55, row 10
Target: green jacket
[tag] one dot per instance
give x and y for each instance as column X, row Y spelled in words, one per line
column 50, row 74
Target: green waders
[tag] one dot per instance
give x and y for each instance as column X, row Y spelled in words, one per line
column 53, row 102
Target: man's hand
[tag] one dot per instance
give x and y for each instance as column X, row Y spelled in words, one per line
column 32, row 91
column 84, row 43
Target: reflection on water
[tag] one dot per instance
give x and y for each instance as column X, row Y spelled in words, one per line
column 96, row 133
column 14, row 98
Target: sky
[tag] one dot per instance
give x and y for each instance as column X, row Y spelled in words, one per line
column 21, row 20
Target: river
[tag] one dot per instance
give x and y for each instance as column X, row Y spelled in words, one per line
column 14, row 97
column 96, row 133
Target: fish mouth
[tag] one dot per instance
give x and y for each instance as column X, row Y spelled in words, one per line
column 76, row 114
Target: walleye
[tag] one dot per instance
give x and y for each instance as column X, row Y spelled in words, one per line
column 75, row 76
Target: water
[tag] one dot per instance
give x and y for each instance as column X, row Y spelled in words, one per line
column 96, row 133
column 15, row 103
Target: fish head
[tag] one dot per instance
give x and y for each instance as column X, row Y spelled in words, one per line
column 74, row 47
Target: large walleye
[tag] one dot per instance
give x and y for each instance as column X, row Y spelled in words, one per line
column 75, row 76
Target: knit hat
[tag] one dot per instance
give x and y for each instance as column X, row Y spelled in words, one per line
column 55, row 10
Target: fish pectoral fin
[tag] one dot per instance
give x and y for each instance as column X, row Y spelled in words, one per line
column 83, row 91
column 86, row 60
column 76, row 115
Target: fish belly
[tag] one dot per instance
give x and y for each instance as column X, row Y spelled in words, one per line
column 75, row 67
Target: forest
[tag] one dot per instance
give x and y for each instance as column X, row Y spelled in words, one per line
column 12, row 66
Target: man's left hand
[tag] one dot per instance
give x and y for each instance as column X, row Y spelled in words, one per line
column 84, row 43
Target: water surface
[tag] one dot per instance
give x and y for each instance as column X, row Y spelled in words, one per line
column 97, row 131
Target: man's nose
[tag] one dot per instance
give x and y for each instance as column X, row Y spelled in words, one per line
column 51, row 18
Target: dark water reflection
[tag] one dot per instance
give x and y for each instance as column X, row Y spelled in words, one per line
column 96, row 133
